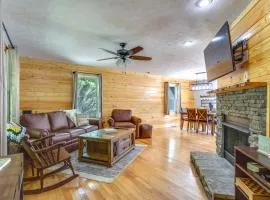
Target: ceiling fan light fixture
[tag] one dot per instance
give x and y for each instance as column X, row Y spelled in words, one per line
column 188, row 43
column 204, row 3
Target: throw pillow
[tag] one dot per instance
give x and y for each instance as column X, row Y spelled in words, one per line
column 71, row 114
column 15, row 132
column 82, row 120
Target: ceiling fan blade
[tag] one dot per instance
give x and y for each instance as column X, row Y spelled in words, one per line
column 140, row 58
column 108, row 51
column 107, row 58
column 135, row 50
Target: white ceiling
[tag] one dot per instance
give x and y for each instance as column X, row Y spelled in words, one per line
column 74, row 30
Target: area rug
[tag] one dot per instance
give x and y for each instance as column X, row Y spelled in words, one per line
column 103, row 173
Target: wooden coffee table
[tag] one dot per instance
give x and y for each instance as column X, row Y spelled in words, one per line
column 106, row 146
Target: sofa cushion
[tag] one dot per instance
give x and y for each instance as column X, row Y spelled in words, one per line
column 74, row 132
column 124, row 125
column 58, row 120
column 60, row 137
column 121, row 115
column 72, row 117
column 88, row 128
column 70, row 123
column 37, row 121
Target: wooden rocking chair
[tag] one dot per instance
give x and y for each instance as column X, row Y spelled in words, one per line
column 44, row 154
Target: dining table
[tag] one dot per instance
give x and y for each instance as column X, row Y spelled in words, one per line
column 211, row 118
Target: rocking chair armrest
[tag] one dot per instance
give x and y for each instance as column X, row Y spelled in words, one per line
column 49, row 148
column 43, row 138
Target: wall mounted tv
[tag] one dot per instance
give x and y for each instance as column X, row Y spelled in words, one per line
column 218, row 54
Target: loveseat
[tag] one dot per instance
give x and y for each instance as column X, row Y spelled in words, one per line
column 44, row 124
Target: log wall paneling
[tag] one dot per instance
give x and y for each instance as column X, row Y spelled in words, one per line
column 253, row 22
column 47, row 86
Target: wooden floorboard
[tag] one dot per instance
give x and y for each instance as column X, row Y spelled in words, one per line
column 163, row 171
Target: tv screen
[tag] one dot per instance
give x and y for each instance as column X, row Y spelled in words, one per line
column 218, row 54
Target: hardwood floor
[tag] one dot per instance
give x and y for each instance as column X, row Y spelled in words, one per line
column 163, row 171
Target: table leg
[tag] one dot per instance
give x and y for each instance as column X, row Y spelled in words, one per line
column 81, row 144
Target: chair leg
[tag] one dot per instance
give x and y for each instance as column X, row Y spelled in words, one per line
column 207, row 128
column 188, row 126
column 181, row 124
column 71, row 167
column 41, row 179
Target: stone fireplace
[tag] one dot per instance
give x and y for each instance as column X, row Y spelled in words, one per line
column 241, row 116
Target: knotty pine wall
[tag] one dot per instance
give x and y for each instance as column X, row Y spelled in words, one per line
column 253, row 22
column 47, row 86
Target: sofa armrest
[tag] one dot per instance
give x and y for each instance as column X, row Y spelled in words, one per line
column 111, row 122
column 136, row 120
column 36, row 133
column 97, row 122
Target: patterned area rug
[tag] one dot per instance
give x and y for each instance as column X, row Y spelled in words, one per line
column 103, row 173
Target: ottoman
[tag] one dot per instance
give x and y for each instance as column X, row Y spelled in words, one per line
column 145, row 130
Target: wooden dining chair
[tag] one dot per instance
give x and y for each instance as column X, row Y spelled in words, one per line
column 202, row 119
column 44, row 155
column 183, row 117
column 192, row 120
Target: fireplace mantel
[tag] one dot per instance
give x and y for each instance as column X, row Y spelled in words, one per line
column 239, row 87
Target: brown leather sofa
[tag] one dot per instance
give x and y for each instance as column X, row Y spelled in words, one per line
column 124, row 119
column 44, row 124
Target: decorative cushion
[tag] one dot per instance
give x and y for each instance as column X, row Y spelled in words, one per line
column 58, row 120
column 71, row 114
column 38, row 121
column 82, row 121
column 15, row 132
column 124, row 125
column 121, row 115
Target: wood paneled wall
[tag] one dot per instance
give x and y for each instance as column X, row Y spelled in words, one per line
column 253, row 22
column 47, row 86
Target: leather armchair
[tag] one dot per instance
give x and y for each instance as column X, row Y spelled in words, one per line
column 124, row 119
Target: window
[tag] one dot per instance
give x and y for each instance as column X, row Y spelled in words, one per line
column 88, row 95
column 172, row 98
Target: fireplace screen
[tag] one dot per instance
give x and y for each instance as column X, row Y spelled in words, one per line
column 233, row 137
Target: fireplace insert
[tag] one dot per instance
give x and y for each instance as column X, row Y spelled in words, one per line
column 235, row 133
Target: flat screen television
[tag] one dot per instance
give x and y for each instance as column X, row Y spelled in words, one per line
column 218, row 54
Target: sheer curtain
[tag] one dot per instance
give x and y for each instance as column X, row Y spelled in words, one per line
column 3, row 94
column 13, row 69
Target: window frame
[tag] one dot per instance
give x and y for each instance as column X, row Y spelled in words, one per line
column 75, row 77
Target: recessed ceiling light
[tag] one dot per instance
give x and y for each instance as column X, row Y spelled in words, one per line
column 188, row 43
column 203, row 3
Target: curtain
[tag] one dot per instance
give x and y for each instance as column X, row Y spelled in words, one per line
column 178, row 98
column 166, row 98
column 13, row 71
column 3, row 95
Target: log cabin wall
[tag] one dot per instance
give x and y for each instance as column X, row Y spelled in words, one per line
column 47, row 86
column 253, row 22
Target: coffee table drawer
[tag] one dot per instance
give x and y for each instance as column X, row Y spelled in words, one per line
column 125, row 138
column 123, row 146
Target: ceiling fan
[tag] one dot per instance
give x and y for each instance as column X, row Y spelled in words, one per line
column 124, row 56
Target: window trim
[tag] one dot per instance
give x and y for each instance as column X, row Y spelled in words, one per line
column 74, row 98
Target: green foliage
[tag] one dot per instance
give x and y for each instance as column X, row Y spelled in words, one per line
column 88, row 97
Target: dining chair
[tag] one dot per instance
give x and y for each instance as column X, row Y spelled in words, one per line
column 202, row 119
column 191, row 117
column 183, row 117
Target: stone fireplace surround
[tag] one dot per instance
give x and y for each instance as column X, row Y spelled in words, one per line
column 249, row 105
column 241, row 115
